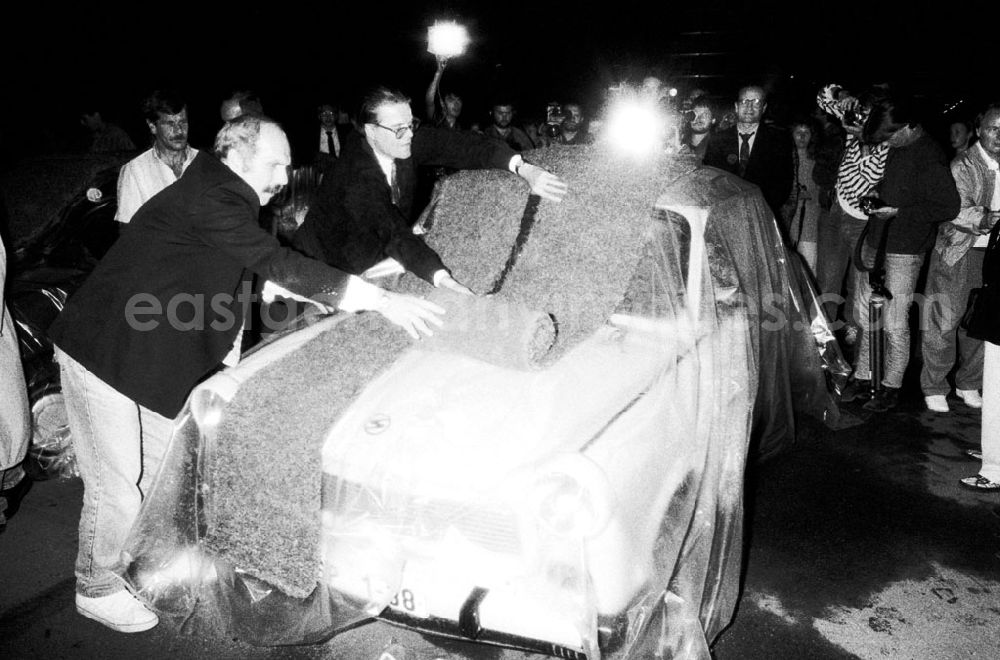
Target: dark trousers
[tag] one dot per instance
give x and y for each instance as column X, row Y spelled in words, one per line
column 837, row 235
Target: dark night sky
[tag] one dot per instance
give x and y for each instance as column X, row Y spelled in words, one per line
column 294, row 54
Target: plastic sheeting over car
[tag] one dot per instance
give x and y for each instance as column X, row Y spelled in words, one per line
column 589, row 507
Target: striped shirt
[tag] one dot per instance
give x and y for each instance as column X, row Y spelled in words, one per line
column 858, row 173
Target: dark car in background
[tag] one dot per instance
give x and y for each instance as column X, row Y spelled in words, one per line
column 61, row 221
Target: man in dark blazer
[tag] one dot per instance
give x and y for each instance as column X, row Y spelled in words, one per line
column 363, row 213
column 158, row 314
column 326, row 142
column 755, row 151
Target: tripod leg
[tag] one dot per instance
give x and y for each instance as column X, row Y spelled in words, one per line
column 876, row 337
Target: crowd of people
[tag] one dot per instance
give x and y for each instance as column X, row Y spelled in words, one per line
column 859, row 187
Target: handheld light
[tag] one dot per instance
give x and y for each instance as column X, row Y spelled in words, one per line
column 447, row 39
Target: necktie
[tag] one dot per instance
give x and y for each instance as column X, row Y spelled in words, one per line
column 394, row 185
column 745, row 151
column 330, row 146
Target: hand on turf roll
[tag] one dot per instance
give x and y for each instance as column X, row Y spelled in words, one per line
column 414, row 315
column 543, row 183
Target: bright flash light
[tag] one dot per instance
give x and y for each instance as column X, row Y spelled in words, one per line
column 635, row 127
column 447, row 39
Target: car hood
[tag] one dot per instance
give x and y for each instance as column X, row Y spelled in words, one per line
column 435, row 421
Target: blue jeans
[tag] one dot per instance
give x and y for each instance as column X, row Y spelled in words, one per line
column 901, row 271
column 947, row 293
column 119, row 446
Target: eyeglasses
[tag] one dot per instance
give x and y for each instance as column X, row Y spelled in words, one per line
column 400, row 131
column 751, row 102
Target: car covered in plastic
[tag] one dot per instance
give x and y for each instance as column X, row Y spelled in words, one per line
column 558, row 470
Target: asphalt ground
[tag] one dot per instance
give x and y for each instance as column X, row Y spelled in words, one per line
column 860, row 544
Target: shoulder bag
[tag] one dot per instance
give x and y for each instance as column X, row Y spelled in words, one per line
column 982, row 314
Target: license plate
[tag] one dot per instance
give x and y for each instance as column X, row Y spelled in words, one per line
column 410, row 598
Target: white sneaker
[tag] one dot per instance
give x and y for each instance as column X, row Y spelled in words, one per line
column 971, row 398
column 120, row 611
column 937, row 403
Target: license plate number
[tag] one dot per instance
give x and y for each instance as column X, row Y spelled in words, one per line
column 409, row 600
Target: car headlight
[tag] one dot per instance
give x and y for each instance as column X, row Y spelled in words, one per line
column 209, row 400
column 571, row 497
column 207, row 407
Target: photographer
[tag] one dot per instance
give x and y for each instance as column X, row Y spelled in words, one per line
column 699, row 121
column 860, row 170
column 566, row 124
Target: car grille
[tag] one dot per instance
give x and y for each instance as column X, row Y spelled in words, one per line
column 405, row 515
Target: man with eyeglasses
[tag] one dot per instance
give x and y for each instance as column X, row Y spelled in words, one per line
column 755, row 151
column 363, row 213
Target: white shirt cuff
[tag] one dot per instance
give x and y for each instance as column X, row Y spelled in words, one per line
column 360, row 295
column 438, row 276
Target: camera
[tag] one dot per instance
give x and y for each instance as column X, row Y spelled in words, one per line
column 554, row 117
column 855, row 117
column 870, row 203
column 554, row 113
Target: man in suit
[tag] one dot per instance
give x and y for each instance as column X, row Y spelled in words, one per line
column 328, row 140
column 759, row 153
column 363, row 212
column 158, row 314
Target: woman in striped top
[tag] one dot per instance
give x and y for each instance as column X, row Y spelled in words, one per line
column 860, row 170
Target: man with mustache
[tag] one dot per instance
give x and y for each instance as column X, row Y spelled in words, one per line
column 160, row 313
column 164, row 162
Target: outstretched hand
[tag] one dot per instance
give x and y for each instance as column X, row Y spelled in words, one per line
column 414, row 315
column 543, row 183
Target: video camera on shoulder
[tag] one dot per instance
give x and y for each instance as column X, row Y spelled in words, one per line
column 554, row 117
